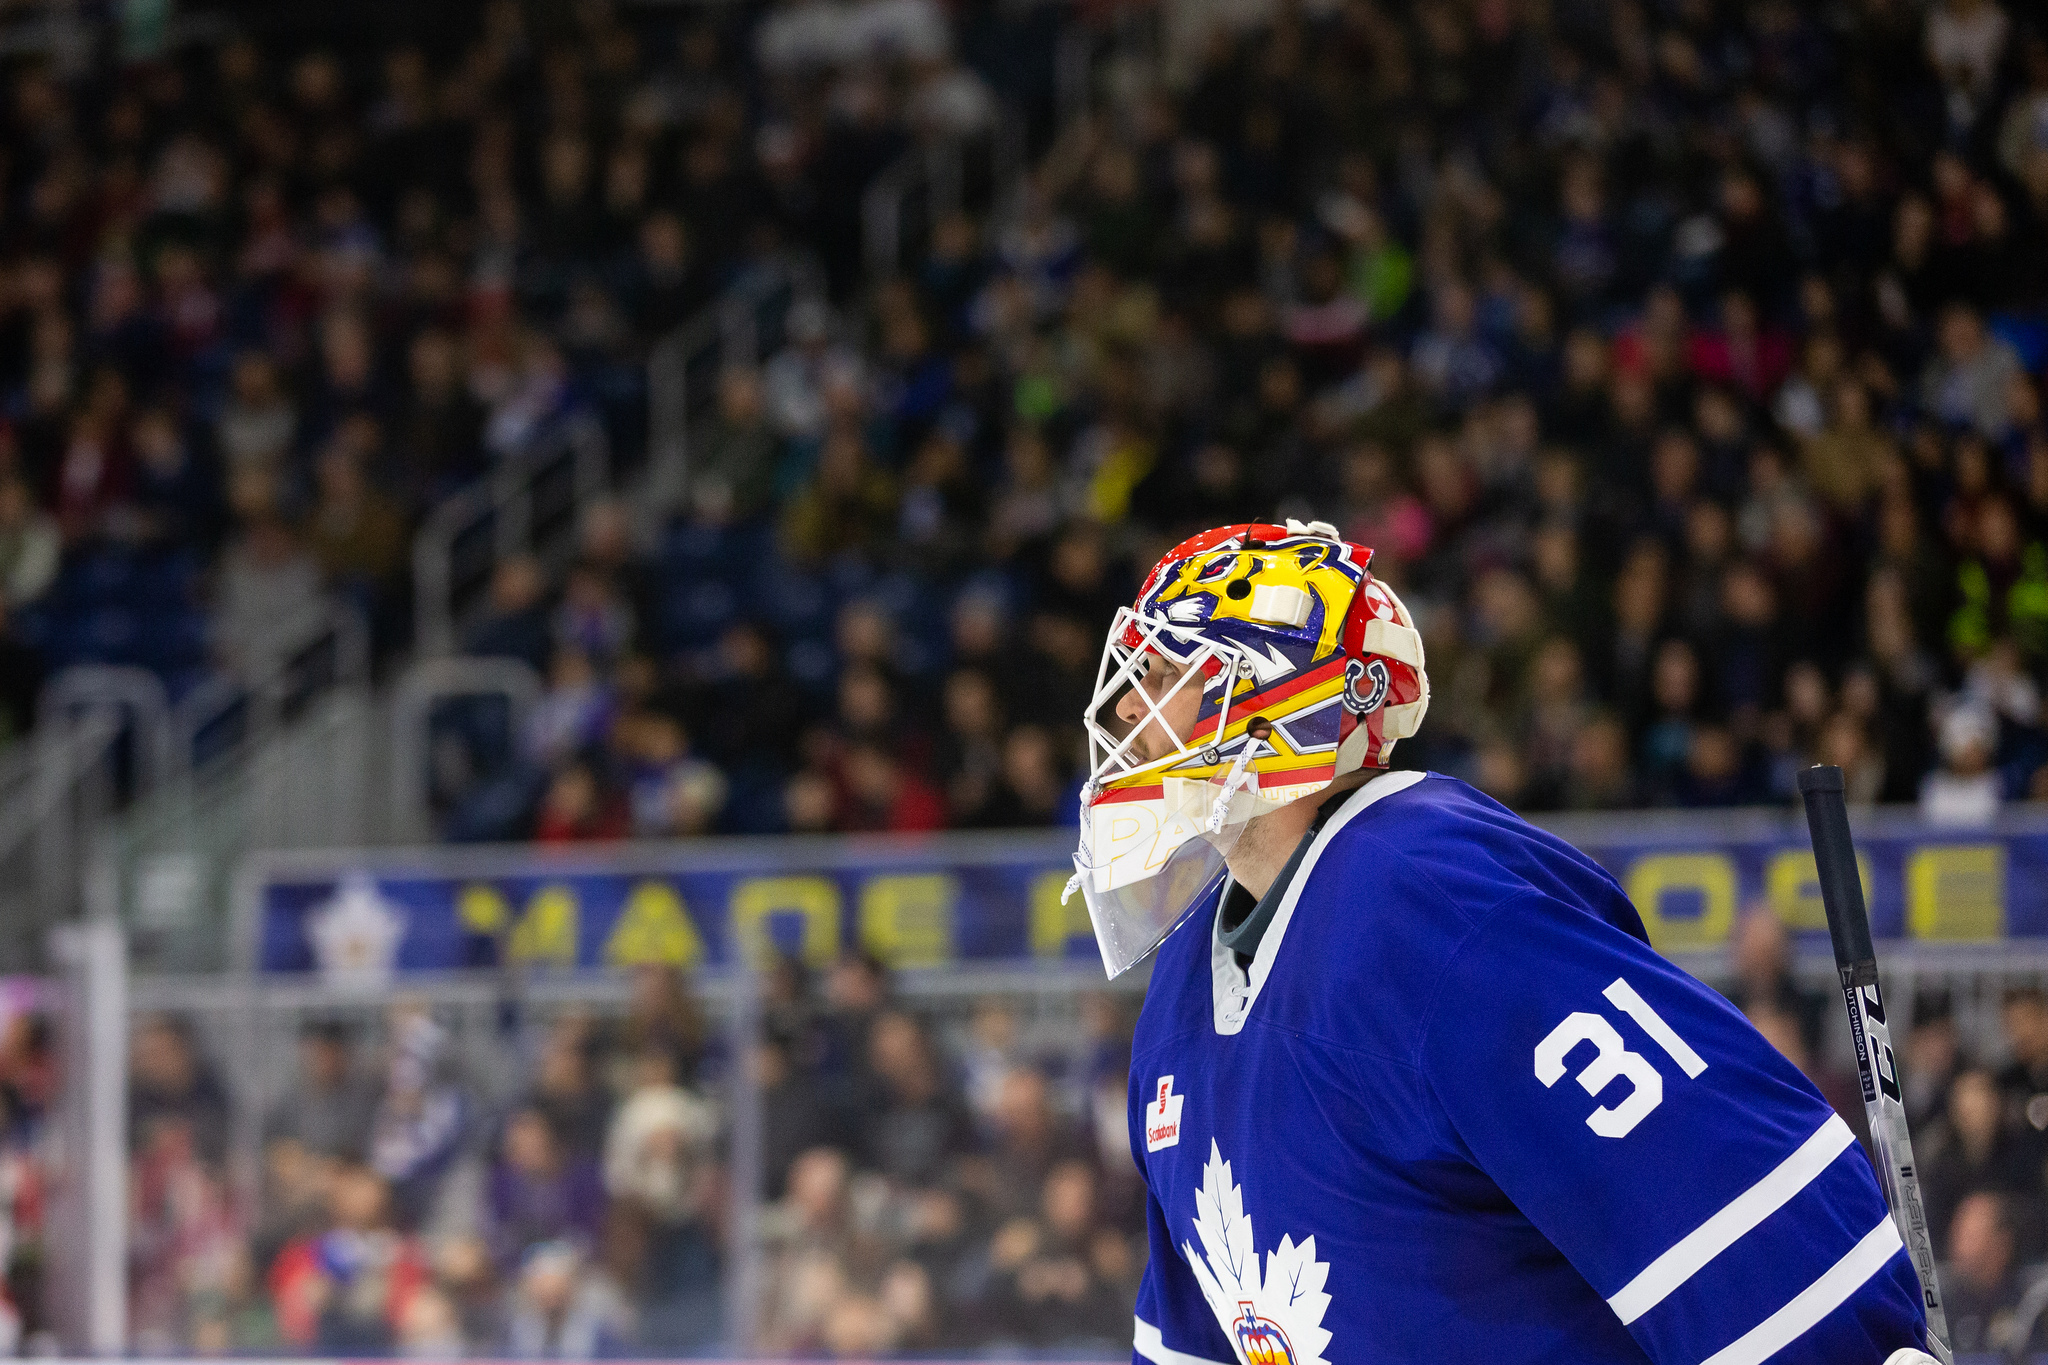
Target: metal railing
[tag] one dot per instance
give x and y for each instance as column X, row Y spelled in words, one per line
column 225, row 712
column 86, row 1231
column 981, row 171
column 741, row 327
column 529, row 505
column 136, row 696
column 422, row 687
column 145, row 805
column 56, row 786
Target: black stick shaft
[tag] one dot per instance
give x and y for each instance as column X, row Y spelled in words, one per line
column 1841, row 891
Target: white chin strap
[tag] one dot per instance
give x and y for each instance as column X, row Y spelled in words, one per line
column 1219, row 813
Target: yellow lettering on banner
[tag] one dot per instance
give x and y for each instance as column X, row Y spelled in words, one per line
column 1792, row 886
column 546, row 931
column 654, row 930
column 1054, row 925
column 482, row 908
column 1710, row 876
column 758, row 900
column 906, row 920
column 1956, row 892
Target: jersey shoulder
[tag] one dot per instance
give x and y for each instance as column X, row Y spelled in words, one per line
column 1398, row 886
column 1439, row 843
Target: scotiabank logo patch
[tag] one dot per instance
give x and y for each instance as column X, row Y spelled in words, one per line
column 1162, row 1117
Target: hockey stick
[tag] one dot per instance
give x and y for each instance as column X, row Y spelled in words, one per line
column 1841, row 892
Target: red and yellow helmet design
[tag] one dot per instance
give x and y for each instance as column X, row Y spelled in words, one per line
column 1308, row 667
column 1286, row 625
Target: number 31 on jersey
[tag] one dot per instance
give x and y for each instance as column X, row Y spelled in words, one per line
column 1612, row 1059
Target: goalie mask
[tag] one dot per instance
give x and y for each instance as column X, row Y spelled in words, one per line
column 1305, row 668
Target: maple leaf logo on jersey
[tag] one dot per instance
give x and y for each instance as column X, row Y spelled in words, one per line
column 1271, row 1319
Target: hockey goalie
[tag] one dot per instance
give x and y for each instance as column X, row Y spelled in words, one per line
column 1410, row 1084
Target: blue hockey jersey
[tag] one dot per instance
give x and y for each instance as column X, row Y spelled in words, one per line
column 1459, row 1110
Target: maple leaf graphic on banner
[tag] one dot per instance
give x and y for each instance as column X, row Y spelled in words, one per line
column 1271, row 1318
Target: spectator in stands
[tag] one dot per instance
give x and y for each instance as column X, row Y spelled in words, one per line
column 1761, row 950
column 732, row 478
column 182, row 1230
column 576, row 808
column 1034, row 788
column 882, row 794
column 168, row 1081
column 1030, row 1137
column 565, row 1308
column 594, row 617
column 1973, row 1145
column 663, row 1014
column 234, row 1316
column 856, row 992
column 1966, row 790
column 439, row 426
column 466, row 1277
column 177, row 493
column 345, row 1290
column 514, row 622
column 795, row 1117
column 1968, row 381
column 1071, row 1291
column 540, row 1190
column 671, row 791
column 2024, row 1081
column 914, row 1122
column 327, row 1112
column 269, row 594
column 1933, row 1059
column 758, row 709
column 421, row 1119
column 95, row 474
column 800, row 377
column 806, row 1240
column 294, row 1197
column 355, row 533
column 574, row 713
column 1980, row 1286
column 566, row 1089
column 257, row 425
column 429, row 1327
column 658, row 1150
column 660, row 1168
column 850, row 508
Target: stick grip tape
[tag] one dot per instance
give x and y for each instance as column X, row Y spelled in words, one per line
column 1841, row 888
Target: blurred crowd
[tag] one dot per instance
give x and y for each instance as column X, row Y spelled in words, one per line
column 267, row 300
column 1680, row 362
column 928, row 1181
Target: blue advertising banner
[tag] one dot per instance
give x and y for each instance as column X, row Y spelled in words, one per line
column 937, row 900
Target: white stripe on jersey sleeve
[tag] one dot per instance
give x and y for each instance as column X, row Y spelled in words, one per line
column 1148, row 1343
column 1745, row 1211
column 1816, row 1301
